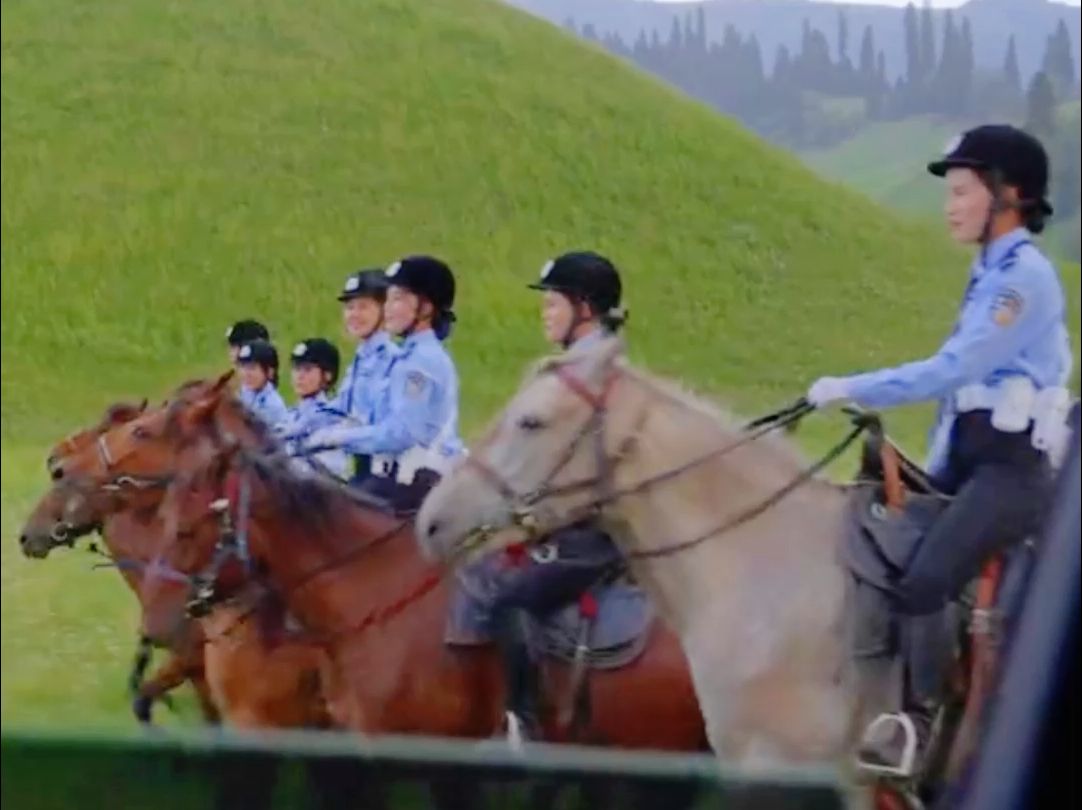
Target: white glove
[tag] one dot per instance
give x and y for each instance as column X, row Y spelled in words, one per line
column 329, row 438
column 826, row 390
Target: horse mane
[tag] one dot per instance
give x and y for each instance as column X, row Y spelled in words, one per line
column 314, row 500
column 783, row 450
column 262, row 432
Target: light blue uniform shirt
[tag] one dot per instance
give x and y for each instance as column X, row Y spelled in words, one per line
column 1011, row 324
column 266, row 403
column 417, row 407
column 307, row 416
column 360, row 388
column 302, row 420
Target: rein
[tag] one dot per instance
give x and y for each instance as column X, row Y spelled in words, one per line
column 523, row 506
column 757, row 509
column 234, row 510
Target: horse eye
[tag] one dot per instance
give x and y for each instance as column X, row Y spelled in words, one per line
column 530, row 423
column 140, row 433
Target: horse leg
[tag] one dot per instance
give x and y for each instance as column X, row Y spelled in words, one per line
column 206, row 700
column 169, row 676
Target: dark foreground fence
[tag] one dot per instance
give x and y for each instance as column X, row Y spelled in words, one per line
column 211, row 771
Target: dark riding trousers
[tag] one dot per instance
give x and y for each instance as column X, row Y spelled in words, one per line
column 1000, row 484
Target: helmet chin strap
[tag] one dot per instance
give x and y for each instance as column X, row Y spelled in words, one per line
column 995, row 186
column 411, row 327
column 373, row 330
column 577, row 320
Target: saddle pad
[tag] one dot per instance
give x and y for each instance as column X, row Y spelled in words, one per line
column 878, row 544
column 617, row 636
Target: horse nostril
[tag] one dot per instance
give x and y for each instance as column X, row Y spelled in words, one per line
column 23, row 540
column 57, row 473
column 433, row 528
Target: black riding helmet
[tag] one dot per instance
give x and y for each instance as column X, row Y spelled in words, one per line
column 320, row 353
column 1014, row 157
column 371, row 283
column 431, row 279
column 245, row 331
column 260, row 352
column 586, row 276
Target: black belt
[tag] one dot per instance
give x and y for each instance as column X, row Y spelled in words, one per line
column 975, row 441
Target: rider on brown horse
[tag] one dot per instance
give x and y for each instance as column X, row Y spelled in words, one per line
column 412, row 433
column 581, row 304
column 1000, row 380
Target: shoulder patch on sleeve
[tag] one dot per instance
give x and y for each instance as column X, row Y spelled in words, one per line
column 416, row 385
column 1007, row 306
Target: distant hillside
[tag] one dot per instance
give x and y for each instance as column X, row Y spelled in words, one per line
column 884, row 161
column 779, row 22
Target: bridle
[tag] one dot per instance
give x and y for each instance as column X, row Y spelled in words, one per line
column 523, row 506
column 528, row 512
column 233, row 508
column 119, row 482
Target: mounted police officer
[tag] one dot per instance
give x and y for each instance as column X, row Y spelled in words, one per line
column 1000, row 381
column 412, row 438
column 257, row 363
column 580, row 304
column 362, row 297
column 244, row 331
column 315, row 363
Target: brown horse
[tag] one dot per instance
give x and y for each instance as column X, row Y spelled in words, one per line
column 251, row 683
column 354, row 578
column 67, row 512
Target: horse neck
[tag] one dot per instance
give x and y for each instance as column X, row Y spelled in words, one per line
column 363, row 559
column 785, row 553
column 132, row 533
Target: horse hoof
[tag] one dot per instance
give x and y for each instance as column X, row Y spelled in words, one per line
column 141, row 707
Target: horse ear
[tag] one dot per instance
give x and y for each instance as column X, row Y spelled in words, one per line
column 142, row 406
column 203, row 409
column 223, row 381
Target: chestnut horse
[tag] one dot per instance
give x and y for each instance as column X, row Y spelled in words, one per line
column 66, row 512
column 354, row 578
column 251, row 683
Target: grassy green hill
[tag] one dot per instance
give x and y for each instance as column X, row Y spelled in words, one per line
column 886, row 162
column 169, row 167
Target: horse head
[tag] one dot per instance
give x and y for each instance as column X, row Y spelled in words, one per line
column 69, row 510
column 543, row 464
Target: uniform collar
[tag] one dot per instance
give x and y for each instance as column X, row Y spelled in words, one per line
column 998, row 249
column 419, row 338
column 376, row 341
column 317, row 398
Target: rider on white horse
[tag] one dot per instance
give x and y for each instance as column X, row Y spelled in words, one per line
column 581, row 305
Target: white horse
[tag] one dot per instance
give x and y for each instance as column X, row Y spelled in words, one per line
column 756, row 594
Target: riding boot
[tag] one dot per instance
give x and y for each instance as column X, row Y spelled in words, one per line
column 520, row 676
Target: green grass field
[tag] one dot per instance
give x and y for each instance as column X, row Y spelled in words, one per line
column 169, row 167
